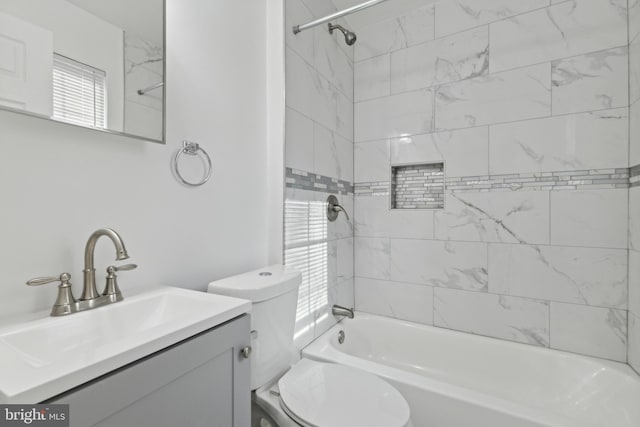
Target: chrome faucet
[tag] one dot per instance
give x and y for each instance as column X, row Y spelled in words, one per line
column 65, row 302
column 338, row 310
column 89, row 291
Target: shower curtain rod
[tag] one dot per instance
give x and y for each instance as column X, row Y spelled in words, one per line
column 349, row 11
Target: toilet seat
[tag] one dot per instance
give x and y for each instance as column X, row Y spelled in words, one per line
column 317, row 394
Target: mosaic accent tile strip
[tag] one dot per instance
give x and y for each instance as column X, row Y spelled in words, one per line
column 378, row 188
column 594, row 179
column 312, row 182
column 634, row 176
column 566, row 180
column 419, row 186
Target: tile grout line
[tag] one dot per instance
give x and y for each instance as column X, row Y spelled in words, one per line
column 321, row 75
column 475, row 27
column 490, row 73
column 629, row 162
column 479, row 292
column 494, row 243
column 493, row 124
column 550, row 221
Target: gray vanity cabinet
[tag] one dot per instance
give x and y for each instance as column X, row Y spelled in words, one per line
column 202, row 381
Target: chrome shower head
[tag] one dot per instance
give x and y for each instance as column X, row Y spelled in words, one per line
column 349, row 36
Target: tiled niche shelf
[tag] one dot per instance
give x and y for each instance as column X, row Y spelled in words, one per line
column 417, row 186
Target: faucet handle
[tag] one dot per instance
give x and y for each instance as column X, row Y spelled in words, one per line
column 113, row 268
column 63, row 279
column 334, row 208
column 65, row 302
column 111, row 289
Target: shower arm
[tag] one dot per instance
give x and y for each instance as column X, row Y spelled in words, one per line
column 150, row 88
column 349, row 11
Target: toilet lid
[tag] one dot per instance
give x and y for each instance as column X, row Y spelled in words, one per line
column 329, row 395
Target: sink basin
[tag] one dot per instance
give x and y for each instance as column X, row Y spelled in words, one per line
column 45, row 357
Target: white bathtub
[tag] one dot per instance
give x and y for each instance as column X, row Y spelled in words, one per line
column 452, row 379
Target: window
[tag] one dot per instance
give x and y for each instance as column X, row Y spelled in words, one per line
column 79, row 93
column 306, row 250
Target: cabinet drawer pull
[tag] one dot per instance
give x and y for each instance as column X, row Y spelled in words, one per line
column 246, row 352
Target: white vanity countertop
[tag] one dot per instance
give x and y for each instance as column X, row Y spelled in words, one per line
column 44, row 357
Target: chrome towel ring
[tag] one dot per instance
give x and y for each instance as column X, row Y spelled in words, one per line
column 192, row 148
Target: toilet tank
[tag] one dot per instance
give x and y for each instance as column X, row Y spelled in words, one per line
column 273, row 292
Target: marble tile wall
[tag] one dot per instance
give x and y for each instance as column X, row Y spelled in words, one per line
column 634, row 191
column 498, row 89
column 319, row 145
column 144, row 67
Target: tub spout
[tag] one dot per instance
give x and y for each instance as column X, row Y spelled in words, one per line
column 338, row 310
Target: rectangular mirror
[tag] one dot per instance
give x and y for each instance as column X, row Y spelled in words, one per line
column 91, row 63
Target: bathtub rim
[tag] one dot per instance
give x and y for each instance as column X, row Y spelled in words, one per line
column 322, row 349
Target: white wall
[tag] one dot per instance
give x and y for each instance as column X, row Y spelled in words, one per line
column 275, row 127
column 83, row 37
column 59, row 183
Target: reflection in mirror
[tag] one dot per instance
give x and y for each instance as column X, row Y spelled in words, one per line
column 92, row 63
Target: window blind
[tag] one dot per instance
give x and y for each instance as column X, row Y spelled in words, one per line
column 79, row 93
column 306, row 250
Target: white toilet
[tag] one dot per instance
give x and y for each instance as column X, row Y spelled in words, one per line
column 309, row 393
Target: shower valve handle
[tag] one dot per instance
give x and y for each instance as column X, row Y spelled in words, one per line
column 334, row 208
